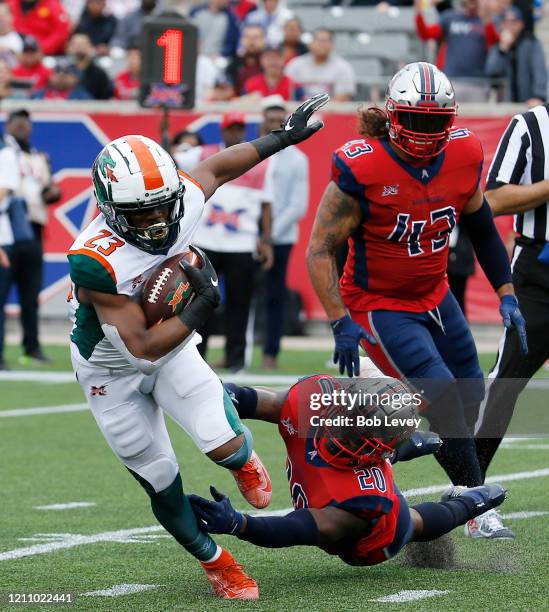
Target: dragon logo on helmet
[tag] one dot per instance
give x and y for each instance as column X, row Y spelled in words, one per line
column 146, row 180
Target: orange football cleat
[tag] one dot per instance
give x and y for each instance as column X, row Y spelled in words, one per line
column 228, row 579
column 254, row 482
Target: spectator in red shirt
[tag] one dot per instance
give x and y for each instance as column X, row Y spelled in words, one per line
column 44, row 19
column 272, row 80
column 30, row 68
column 126, row 83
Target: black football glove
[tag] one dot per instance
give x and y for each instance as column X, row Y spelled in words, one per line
column 295, row 129
column 206, row 287
column 217, row 516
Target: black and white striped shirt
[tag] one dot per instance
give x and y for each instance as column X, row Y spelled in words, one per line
column 522, row 158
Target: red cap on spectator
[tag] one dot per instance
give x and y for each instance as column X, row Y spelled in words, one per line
column 234, row 118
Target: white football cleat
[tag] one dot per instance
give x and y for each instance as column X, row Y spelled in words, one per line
column 488, row 525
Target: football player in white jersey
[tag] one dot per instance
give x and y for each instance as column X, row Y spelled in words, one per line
column 132, row 375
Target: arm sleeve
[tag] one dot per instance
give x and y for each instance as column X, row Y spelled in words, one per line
column 488, row 245
column 296, row 207
column 510, row 159
column 298, row 528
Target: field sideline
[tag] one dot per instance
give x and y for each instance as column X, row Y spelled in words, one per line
column 108, row 546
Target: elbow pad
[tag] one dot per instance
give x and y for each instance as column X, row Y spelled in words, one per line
column 143, row 365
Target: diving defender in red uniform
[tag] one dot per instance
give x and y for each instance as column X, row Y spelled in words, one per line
column 341, row 479
column 396, row 192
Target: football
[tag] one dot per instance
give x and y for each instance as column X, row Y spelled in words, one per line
column 168, row 290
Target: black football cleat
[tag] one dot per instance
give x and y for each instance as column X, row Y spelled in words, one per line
column 484, row 498
column 421, row 443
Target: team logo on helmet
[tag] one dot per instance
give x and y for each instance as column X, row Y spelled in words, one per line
column 104, row 163
column 146, row 180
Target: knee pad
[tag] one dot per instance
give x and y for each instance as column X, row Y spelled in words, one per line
column 127, row 431
column 130, row 436
column 159, row 472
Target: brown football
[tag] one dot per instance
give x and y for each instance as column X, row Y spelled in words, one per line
column 168, row 290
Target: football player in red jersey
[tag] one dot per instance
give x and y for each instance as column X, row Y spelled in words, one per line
column 396, row 194
column 341, row 480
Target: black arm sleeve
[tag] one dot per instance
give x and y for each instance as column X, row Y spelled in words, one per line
column 295, row 529
column 489, row 248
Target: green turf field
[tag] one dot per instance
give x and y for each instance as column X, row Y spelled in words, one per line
column 60, row 458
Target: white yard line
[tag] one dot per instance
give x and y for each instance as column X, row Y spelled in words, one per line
column 59, row 541
column 525, row 446
column 70, row 540
column 498, row 478
column 36, row 376
column 121, row 589
column 67, row 506
column 524, row 515
column 68, row 377
column 18, row 412
column 405, row 596
column 245, row 378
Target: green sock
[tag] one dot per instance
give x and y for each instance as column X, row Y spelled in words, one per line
column 173, row 511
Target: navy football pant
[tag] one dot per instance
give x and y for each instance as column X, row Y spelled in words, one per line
column 436, row 346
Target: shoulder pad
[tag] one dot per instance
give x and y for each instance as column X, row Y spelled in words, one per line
column 344, row 162
column 88, row 269
column 468, row 143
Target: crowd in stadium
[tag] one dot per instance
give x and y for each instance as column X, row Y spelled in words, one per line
column 90, row 49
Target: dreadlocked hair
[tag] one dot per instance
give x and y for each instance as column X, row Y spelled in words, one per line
column 373, row 122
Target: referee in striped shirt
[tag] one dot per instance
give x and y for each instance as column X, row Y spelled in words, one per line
column 518, row 183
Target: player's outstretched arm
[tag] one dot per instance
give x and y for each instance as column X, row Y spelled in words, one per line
column 493, row 259
column 235, row 161
column 306, row 527
column 257, row 403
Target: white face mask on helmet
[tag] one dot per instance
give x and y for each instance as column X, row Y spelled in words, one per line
column 422, row 108
column 133, row 175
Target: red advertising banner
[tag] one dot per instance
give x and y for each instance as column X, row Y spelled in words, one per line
column 84, row 134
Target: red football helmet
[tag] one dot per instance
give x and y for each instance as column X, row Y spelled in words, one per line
column 421, row 108
column 353, row 445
